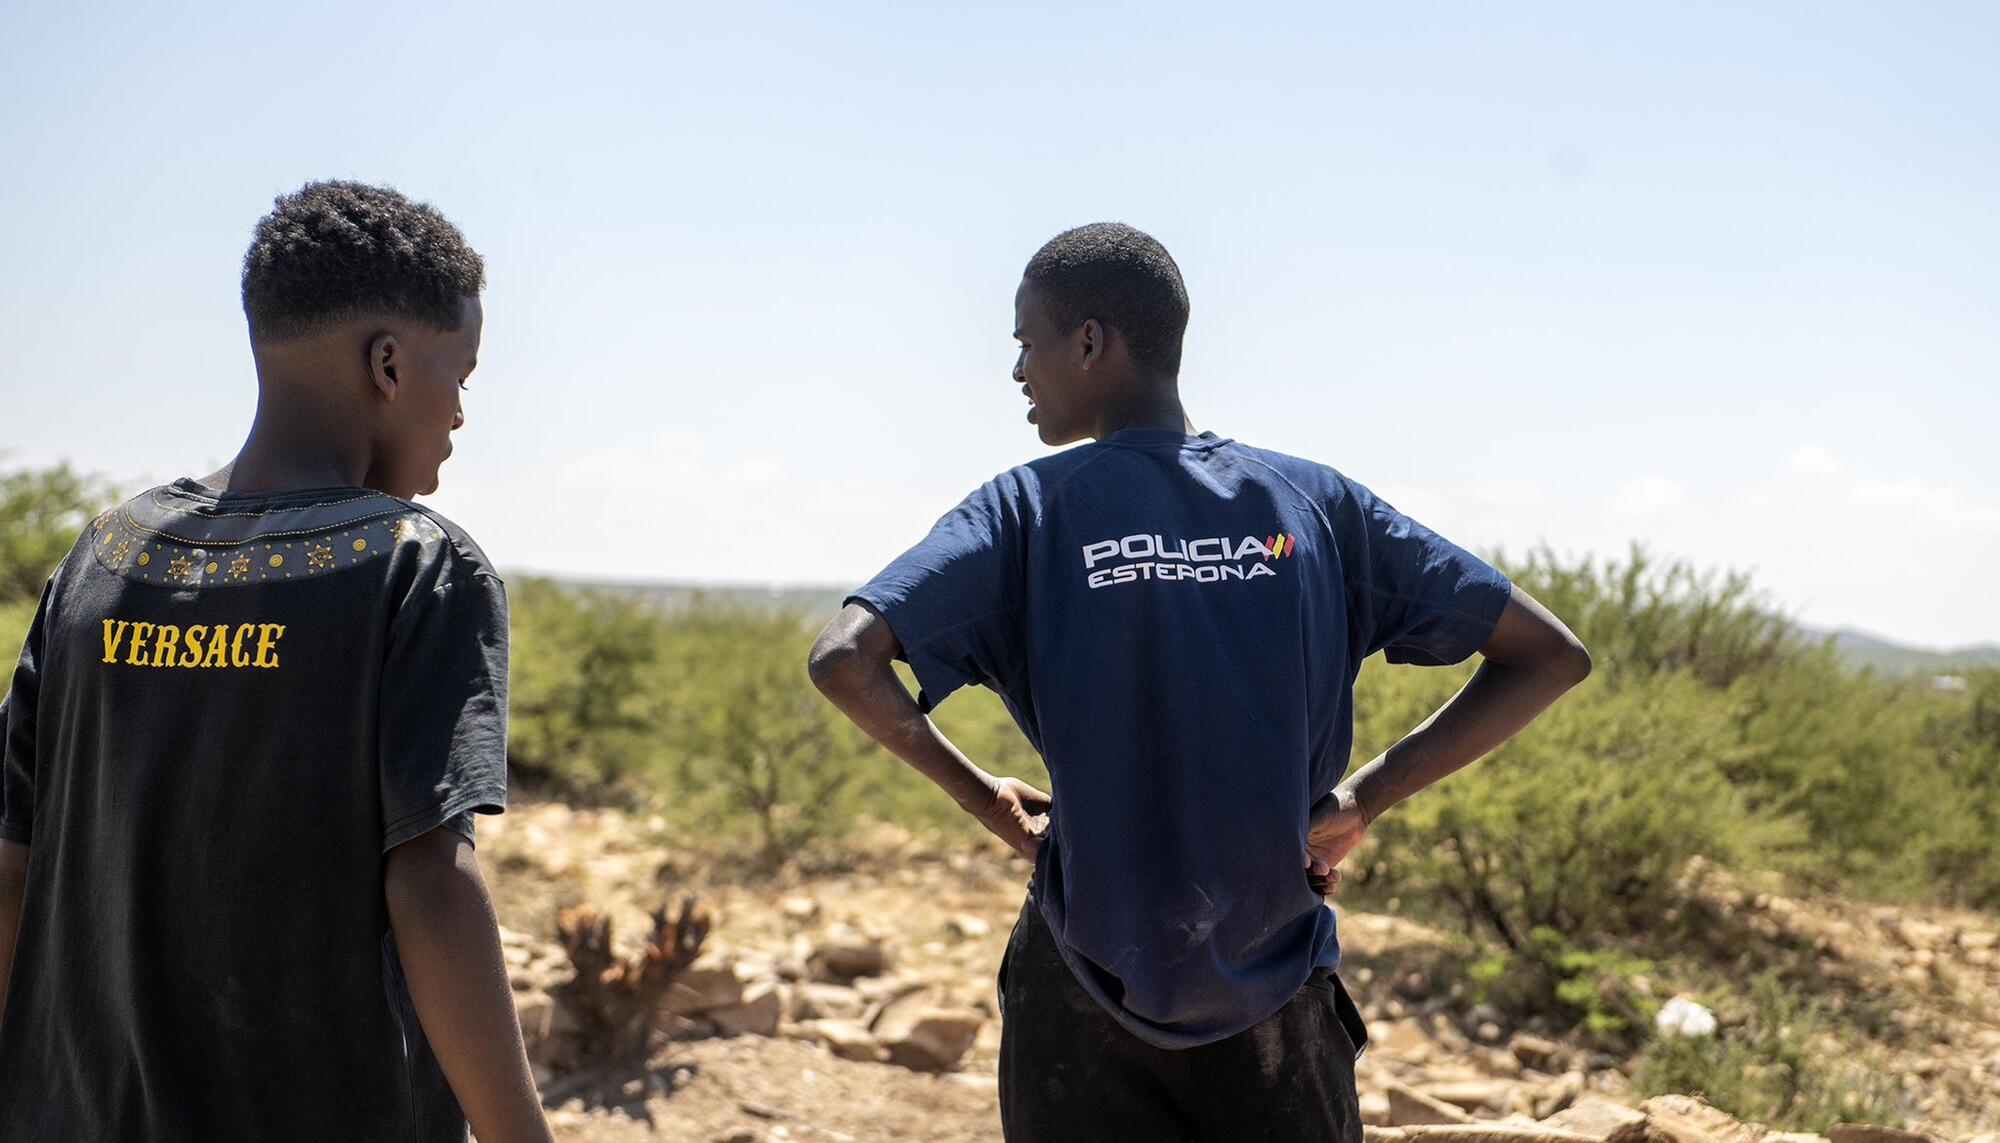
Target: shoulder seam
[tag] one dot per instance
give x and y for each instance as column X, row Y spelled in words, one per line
column 1319, row 509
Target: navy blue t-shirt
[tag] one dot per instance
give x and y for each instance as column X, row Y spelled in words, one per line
column 1176, row 622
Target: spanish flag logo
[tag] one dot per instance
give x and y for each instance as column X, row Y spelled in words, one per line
column 1279, row 546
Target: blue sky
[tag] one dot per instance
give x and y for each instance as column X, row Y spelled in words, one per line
column 1718, row 277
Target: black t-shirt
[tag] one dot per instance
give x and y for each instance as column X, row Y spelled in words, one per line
column 229, row 708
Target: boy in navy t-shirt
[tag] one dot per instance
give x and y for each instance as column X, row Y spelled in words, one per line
column 1175, row 620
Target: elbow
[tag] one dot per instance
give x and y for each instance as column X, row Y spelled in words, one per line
column 832, row 663
column 1573, row 663
column 852, row 654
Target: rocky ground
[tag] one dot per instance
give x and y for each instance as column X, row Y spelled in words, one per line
column 858, row 1004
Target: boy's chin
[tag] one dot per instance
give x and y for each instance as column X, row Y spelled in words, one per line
column 1055, row 436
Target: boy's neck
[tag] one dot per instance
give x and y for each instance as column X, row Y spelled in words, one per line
column 1154, row 407
column 292, row 450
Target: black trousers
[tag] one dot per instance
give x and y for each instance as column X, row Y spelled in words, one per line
column 1069, row 1072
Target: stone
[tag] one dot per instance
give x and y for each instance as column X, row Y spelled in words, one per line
column 1602, row 1120
column 1915, row 934
column 846, row 1039
column 1374, row 1109
column 1809, row 1137
column 1404, row 1037
column 800, row 909
column 1496, row 1096
column 1501, row 1062
column 1685, row 1119
column 968, row 927
column 818, row 1000
column 1409, row 1106
column 762, row 1007
column 1491, row 1133
column 1559, row 1093
column 714, row 980
column 1537, row 1052
column 926, row 1036
column 847, row 955
column 1861, row 1133
column 536, row 1012
column 1682, row 1016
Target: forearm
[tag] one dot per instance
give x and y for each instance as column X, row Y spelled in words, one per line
column 1492, row 707
column 13, row 888
column 449, row 942
column 870, row 693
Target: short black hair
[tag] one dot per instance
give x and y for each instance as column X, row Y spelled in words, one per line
column 332, row 251
column 1121, row 276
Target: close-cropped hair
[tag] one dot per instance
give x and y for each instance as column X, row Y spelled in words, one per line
column 1121, row 276
column 333, row 251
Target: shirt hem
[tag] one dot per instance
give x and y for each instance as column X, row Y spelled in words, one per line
column 484, row 799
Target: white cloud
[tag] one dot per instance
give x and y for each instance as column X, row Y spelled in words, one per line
column 1647, row 495
column 1943, row 507
column 1814, row 462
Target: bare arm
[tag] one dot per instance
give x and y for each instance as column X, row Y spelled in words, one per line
column 852, row 664
column 1530, row 660
column 13, row 886
column 449, row 942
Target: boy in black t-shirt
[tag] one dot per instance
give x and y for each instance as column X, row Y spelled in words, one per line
column 251, row 722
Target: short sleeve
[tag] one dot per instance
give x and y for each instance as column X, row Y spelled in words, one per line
column 953, row 600
column 1425, row 600
column 443, row 736
column 18, row 715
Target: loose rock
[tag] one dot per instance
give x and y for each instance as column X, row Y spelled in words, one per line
column 925, row 1036
column 1685, row 1119
column 1602, row 1120
column 1860, row 1133
column 762, row 1007
column 846, row 1039
column 1409, row 1106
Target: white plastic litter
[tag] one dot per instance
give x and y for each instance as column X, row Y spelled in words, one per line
column 1683, row 1017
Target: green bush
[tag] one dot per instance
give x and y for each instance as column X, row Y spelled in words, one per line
column 582, row 718
column 41, row 513
column 1709, row 728
column 1775, row 1060
column 1581, row 825
column 750, row 742
column 703, row 712
column 1643, row 616
column 1604, row 993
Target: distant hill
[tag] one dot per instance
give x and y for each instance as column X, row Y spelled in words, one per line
column 1865, row 650
column 821, row 600
column 1860, row 648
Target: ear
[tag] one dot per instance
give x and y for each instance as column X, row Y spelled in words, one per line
column 385, row 360
column 1092, row 343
